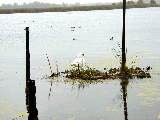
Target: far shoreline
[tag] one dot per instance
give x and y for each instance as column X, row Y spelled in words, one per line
column 72, row 8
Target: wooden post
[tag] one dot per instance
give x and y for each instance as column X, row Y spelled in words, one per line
column 123, row 38
column 31, row 100
column 27, row 55
column 30, row 85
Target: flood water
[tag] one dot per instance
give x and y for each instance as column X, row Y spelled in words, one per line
column 62, row 36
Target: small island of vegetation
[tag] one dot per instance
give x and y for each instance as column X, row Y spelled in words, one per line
column 112, row 73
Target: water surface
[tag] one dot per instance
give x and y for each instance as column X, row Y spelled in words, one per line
column 58, row 99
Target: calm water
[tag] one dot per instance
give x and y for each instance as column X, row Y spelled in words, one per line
column 62, row 99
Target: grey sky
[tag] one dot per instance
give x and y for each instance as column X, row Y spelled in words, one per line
column 57, row 1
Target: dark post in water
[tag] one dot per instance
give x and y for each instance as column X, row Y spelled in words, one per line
column 27, row 55
column 31, row 100
column 30, row 85
column 123, row 38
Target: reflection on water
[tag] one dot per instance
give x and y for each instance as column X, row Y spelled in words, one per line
column 31, row 100
column 83, row 84
column 50, row 90
column 124, row 83
column 94, row 92
column 149, row 92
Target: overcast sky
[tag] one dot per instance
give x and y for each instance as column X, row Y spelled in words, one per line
column 57, row 1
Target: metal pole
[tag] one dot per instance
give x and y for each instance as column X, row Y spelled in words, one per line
column 123, row 38
column 27, row 55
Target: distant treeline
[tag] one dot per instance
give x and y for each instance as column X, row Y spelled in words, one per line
column 29, row 5
column 37, row 7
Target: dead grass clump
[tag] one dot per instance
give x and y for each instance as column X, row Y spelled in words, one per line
column 112, row 73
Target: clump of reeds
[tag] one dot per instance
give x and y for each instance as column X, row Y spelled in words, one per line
column 113, row 73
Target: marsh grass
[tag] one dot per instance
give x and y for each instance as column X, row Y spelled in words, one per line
column 112, row 73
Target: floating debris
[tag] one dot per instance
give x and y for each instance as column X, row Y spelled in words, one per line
column 55, row 74
column 73, row 27
column 51, row 26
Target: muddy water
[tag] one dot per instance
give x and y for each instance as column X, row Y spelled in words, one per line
column 61, row 99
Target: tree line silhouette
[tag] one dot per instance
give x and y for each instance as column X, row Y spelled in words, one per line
column 36, row 7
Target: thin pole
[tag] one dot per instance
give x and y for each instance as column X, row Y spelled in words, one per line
column 57, row 68
column 123, row 38
column 27, row 55
column 50, row 67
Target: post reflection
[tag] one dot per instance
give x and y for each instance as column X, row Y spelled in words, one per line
column 124, row 84
column 50, row 90
column 31, row 100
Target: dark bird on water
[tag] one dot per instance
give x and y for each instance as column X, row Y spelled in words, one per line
column 148, row 68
